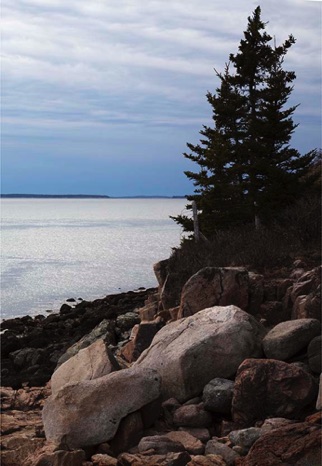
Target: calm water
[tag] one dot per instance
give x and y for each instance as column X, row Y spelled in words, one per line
column 54, row 249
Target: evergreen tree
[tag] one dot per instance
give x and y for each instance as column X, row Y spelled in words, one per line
column 247, row 168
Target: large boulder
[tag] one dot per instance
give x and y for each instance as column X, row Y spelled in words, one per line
column 89, row 363
column 270, row 388
column 192, row 351
column 290, row 337
column 214, row 286
column 89, row 412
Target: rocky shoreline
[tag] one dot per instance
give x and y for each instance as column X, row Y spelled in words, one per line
column 221, row 370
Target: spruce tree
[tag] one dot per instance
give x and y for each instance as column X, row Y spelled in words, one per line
column 247, row 169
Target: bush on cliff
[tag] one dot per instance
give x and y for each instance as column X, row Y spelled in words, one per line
column 295, row 232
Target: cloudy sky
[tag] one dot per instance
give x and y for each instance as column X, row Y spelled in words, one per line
column 101, row 96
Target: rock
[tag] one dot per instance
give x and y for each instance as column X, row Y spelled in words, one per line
column 273, row 312
column 192, row 416
column 218, row 448
column 191, row 444
column 218, row 395
column 274, row 423
column 160, row 444
column 306, row 295
column 289, row 338
column 89, row 413
column 314, row 354
column 170, row 459
column 190, row 352
column 16, row 451
column 256, row 292
column 88, row 364
column 269, row 388
column 308, row 306
column 168, row 409
column 295, row 444
column 319, row 399
column 245, row 437
column 142, row 340
column 129, row 433
column 201, row 433
column 171, row 290
column 27, row 356
column 148, row 312
column 103, row 460
column 62, row 458
column 161, row 271
column 208, row 460
column 24, row 399
column 213, row 286
column 101, row 331
column 54, row 334
column 127, row 321
column 150, row 413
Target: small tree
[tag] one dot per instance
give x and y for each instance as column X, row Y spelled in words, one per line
column 247, row 168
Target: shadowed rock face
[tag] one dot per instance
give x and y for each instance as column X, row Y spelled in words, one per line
column 190, row 352
column 89, row 413
column 215, row 286
column 270, row 388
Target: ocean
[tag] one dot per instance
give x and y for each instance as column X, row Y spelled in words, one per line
column 55, row 249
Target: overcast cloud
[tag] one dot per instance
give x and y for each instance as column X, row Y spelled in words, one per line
column 101, row 96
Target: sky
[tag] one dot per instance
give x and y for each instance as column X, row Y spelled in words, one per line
column 101, row 96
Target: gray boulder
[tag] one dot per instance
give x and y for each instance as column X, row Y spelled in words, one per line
column 290, row 337
column 89, row 413
column 218, row 395
column 192, row 351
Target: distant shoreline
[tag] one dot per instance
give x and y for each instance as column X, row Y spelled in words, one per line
column 81, row 196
